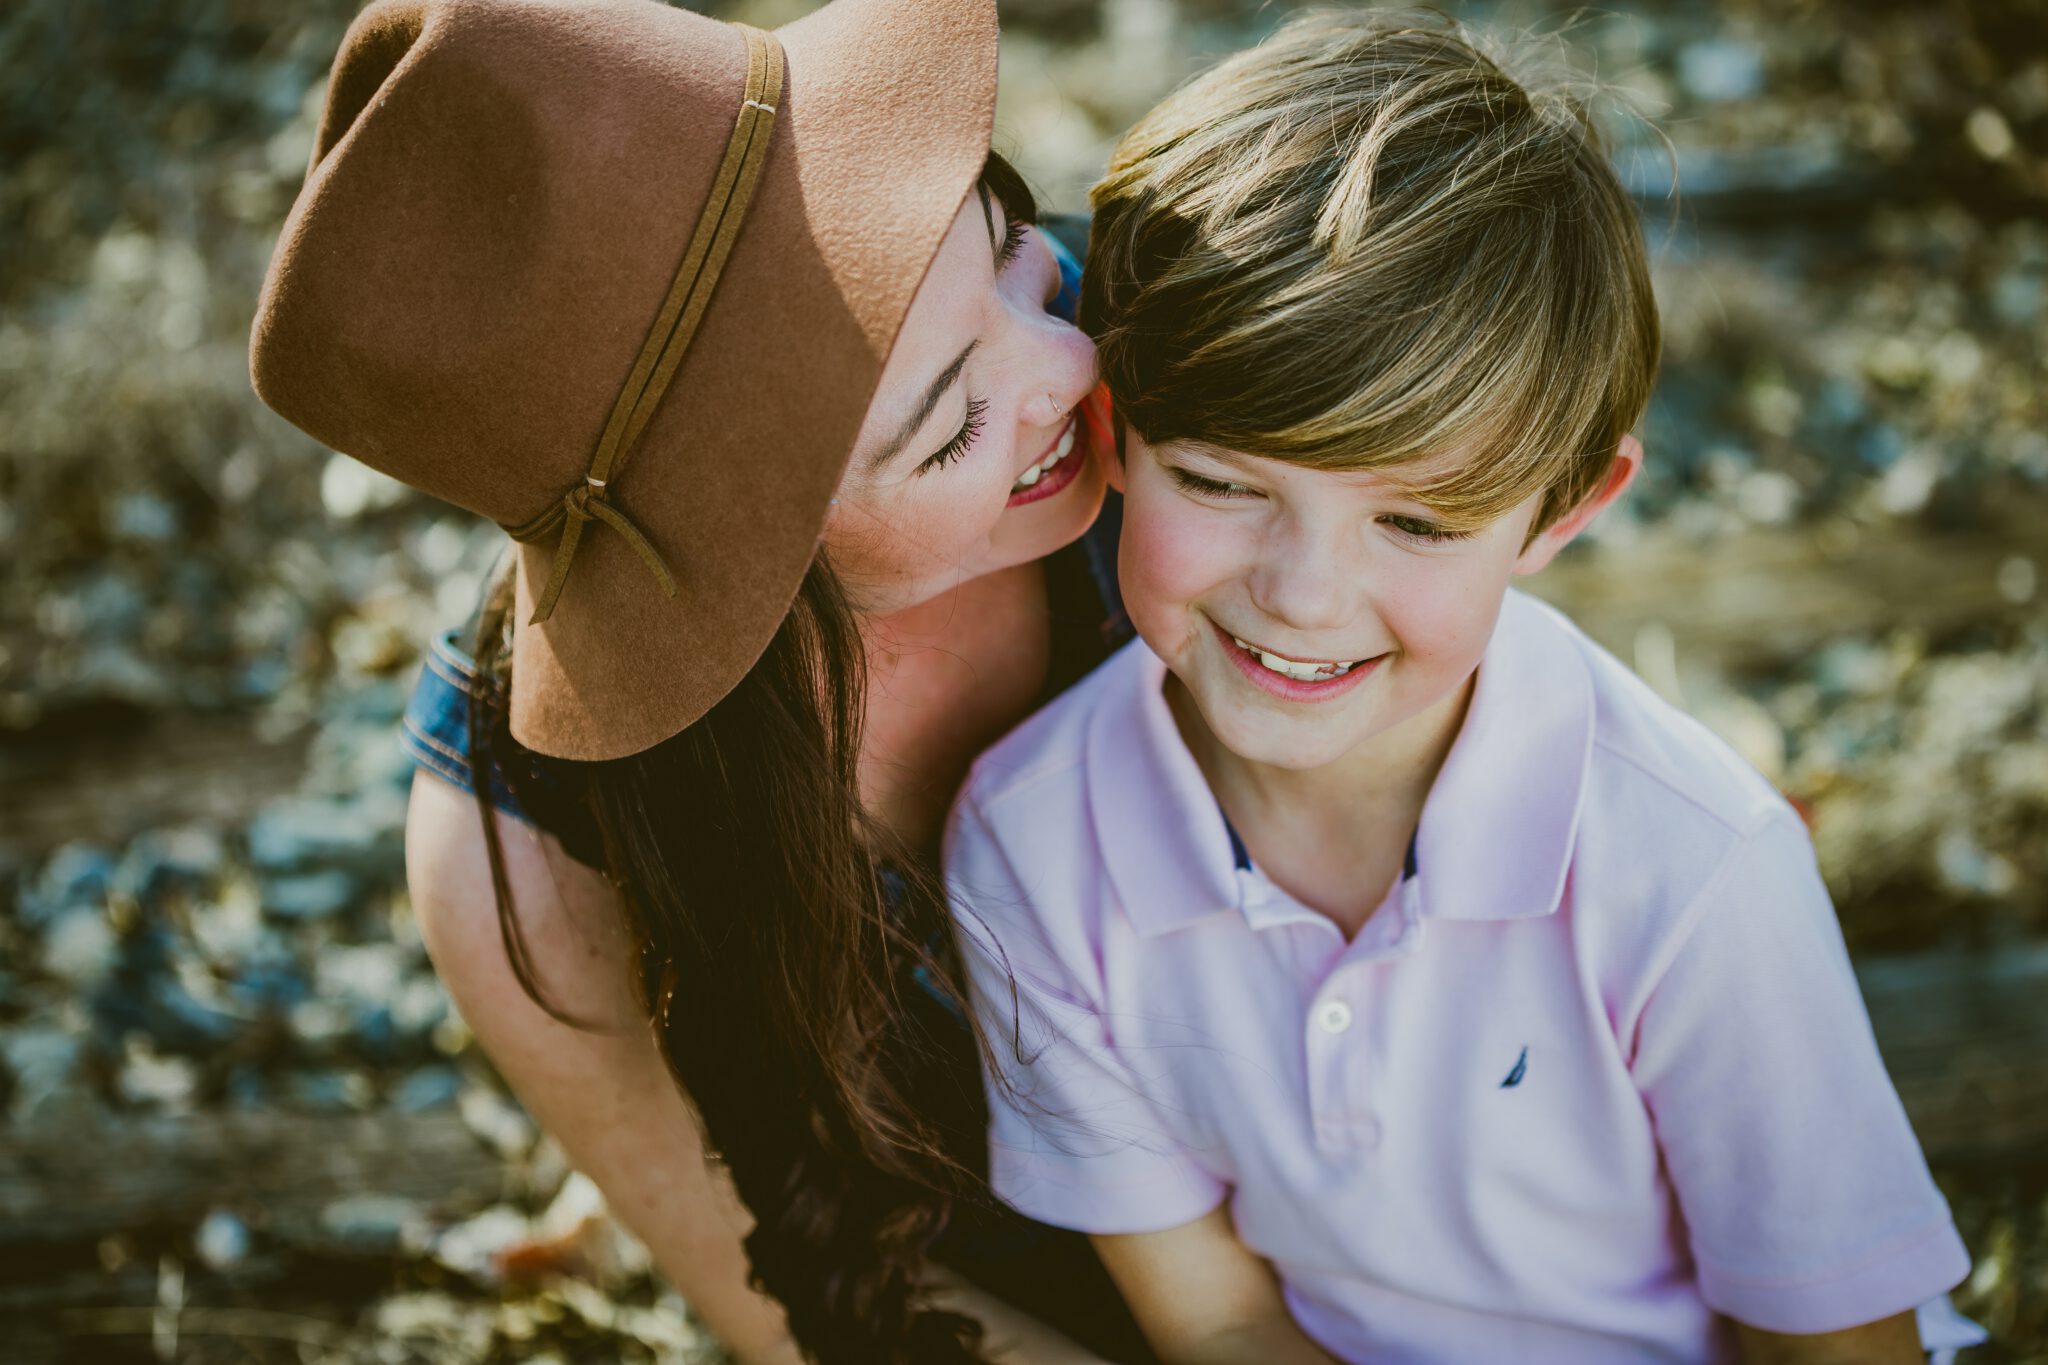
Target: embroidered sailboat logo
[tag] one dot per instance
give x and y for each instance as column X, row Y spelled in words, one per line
column 1515, row 1077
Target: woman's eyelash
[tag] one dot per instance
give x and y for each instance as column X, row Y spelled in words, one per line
column 1419, row 529
column 977, row 409
column 1215, row 488
column 1013, row 241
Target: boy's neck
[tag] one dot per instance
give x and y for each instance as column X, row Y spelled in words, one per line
column 1334, row 837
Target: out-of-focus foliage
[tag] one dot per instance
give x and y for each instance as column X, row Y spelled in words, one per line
column 211, row 623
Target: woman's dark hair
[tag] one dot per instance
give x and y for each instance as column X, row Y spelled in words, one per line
column 782, row 937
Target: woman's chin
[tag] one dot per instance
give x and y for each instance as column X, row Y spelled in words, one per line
column 1036, row 529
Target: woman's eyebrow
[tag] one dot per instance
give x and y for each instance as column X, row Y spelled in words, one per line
column 995, row 238
column 948, row 377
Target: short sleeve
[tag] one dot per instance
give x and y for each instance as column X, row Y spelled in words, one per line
column 435, row 730
column 1808, row 1202
column 1074, row 1138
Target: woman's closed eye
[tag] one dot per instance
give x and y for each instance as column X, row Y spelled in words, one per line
column 1014, row 230
column 963, row 439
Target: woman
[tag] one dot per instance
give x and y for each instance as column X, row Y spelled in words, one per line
column 744, row 340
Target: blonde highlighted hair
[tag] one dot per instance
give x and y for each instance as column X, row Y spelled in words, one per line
column 1364, row 244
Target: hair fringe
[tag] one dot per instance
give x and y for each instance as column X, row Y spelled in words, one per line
column 1365, row 244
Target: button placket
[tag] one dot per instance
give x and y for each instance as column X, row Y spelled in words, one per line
column 1337, row 1056
column 1333, row 1058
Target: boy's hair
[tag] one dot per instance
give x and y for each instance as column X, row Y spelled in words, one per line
column 1362, row 244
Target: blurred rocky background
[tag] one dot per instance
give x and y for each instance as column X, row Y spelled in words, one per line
column 241, row 1122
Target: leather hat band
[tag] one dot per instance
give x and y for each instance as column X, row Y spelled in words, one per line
column 689, row 294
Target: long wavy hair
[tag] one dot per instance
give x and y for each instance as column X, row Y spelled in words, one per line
column 788, row 951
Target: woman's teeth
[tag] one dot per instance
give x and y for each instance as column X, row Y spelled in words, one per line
column 1289, row 668
column 1044, row 466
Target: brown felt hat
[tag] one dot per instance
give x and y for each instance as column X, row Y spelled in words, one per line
column 622, row 278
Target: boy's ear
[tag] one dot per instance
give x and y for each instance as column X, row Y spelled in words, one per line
column 1104, row 427
column 1621, row 472
column 1113, row 458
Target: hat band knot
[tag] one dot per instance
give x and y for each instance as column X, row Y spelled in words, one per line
column 584, row 504
column 689, row 294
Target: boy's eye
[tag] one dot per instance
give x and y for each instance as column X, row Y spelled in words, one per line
column 1208, row 488
column 1418, row 529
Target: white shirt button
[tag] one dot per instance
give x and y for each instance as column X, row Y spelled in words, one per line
column 1333, row 1016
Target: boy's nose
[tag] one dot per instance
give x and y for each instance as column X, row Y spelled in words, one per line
column 1306, row 590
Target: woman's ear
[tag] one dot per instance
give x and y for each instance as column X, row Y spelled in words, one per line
column 1621, row 472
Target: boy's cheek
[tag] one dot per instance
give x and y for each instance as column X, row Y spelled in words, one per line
column 1168, row 559
column 1444, row 618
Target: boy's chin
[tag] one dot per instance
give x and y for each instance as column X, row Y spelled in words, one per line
column 1272, row 742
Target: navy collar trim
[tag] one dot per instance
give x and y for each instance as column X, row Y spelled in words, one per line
column 1241, row 856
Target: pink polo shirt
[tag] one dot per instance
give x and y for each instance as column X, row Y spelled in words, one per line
column 1595, row 1073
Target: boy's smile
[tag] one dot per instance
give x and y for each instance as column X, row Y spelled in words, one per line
column 1308, row 680
column 1316, row 615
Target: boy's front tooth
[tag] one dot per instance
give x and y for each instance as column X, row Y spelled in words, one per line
column 1287, row 668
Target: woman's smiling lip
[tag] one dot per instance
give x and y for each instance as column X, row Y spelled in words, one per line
column 1061, row 474
column 1293, row 689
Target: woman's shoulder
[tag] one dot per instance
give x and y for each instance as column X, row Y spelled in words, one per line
column 537, row 921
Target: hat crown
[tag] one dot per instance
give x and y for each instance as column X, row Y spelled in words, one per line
column 499, row 193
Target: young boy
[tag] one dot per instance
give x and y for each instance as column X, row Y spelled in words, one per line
column 1376, row 968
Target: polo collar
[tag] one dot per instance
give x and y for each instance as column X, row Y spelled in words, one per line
column 1497, row 831
column 1163, row 837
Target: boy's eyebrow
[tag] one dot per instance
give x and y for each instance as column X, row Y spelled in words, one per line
column 921, row 414
column 1203, row 450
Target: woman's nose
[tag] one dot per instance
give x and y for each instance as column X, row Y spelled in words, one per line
column 1042, row 411
column 1041, row 245
column 1055, row 358
column 1062, row 369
